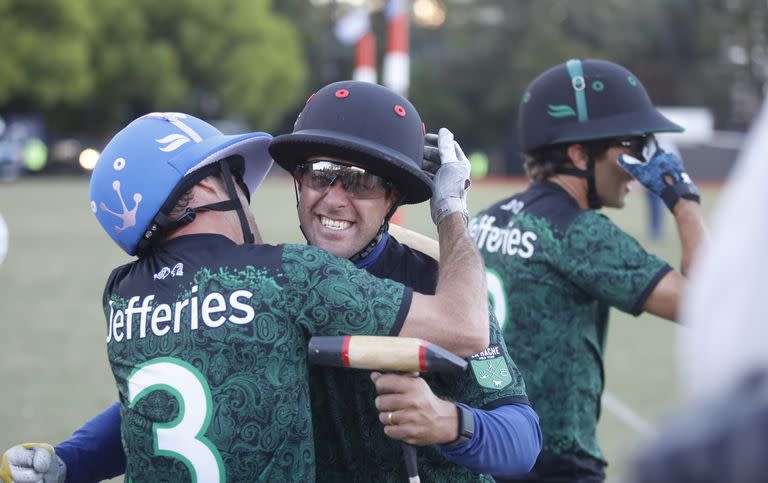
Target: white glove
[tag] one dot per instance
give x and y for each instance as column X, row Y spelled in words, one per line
column 32, row 462
column 451, row 182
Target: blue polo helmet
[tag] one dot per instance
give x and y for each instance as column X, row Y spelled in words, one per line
column 153, row 161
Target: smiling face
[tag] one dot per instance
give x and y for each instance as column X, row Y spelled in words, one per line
column 336, row 220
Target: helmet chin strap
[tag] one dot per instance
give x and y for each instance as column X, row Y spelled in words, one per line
column 370, row 246
column 593, row 201
column 164, row 224
column 230, row 182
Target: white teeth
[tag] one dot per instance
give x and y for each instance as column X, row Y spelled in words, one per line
column 334, row 224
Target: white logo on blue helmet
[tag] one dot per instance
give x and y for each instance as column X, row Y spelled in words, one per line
column 146, row 161
column 127, row 216
column 172, row 142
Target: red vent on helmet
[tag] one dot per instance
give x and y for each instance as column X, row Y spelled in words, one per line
column 342, row 93
column 310, row 98
column 400, row 110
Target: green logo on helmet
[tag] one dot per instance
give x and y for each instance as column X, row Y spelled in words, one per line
column 490, row 368
column 632, row 81
column 562, row 110
column 598, row 86
column 526, row 97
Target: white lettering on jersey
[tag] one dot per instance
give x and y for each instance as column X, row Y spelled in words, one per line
column 508, row 240
column 514, row 206
column 176, row 271
column 124, row 325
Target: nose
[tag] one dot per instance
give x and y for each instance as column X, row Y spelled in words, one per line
column 336, row 193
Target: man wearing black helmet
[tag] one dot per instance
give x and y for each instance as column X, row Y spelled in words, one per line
column 207, row 329
column 355, row 154
column 555, row 265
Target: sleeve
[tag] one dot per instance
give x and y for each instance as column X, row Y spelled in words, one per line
column 333, row 297
column 604, row 261
column 506, row 441
column 492, row 380
column 95, row 451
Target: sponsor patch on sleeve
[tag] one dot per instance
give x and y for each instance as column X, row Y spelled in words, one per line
column 490, row 368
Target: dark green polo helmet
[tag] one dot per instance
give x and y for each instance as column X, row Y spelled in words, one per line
column 582, row 100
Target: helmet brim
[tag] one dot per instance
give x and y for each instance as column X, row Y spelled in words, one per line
column 625, row 124
column 253, row 147
column 289, row 150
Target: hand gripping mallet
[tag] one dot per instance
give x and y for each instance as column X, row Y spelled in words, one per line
column 379, row 353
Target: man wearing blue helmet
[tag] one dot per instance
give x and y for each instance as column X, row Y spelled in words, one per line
column 555, row 265
column 344, row 208
column 207, row 330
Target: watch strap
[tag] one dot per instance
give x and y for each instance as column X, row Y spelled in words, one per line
column 466, row 425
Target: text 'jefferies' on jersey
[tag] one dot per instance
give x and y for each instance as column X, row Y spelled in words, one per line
column 161, row 318
column 508, row 240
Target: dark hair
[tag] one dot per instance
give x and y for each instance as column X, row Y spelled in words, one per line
column 544, row 162
column 186, row 199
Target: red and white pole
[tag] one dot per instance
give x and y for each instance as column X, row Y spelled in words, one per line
column 365, row 58
column 354, row 28
column 397, row 62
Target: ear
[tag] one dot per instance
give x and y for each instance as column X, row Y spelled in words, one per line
column 578, row 156
column 212, row 186
column 394, row 197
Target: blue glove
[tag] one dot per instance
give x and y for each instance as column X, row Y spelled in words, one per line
column 663, row 174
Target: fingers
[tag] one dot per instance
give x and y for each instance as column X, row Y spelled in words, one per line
column 394, row 383
column 18, row 462
column 42, row 458
column 25, row 475
column 445, row 144
column 460, row 153
column 626, row 159
column 431, row 153
column 651, row 148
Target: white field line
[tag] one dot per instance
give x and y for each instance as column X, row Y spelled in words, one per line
column 626, row 414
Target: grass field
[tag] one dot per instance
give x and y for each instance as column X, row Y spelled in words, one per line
column 53, row 369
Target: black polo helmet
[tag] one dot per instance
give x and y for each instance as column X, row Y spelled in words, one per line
column 583, row 100
column 367, row 124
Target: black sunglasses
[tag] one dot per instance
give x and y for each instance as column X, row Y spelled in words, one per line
column 319, row 175
column 634, row 144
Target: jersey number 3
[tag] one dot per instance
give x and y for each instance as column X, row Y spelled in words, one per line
column 184, row 438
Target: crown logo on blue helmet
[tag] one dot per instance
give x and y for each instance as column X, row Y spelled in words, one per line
column 153, row 161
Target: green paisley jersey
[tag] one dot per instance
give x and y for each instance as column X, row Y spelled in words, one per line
column 554, row 271
column 349, row 439
column 208, row 345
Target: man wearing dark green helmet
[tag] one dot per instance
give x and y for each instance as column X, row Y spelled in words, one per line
column 556, row 266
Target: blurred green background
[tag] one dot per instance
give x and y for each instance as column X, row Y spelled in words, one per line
column 55, row 373
column 84, row 68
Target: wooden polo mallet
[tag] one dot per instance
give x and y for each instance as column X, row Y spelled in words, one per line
column 387, row 354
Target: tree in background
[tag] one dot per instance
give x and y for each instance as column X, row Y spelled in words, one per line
column 87, row 63
column 45, row 52
column 102, row 62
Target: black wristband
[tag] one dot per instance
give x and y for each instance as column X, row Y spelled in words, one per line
column 466, row 426
column 672, row 194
